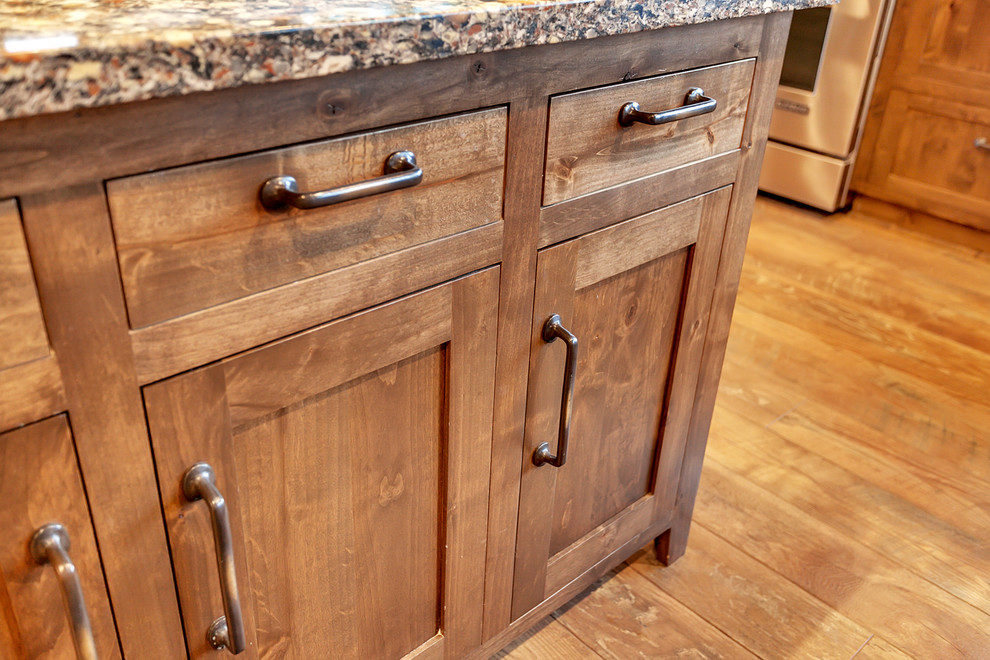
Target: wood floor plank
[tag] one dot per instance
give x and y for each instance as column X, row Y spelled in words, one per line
column 879, row 649
column 955, row 368
column 882, row 397
column 781, row 246
column 914, row 260
column 626, row 616
column 862, row 584
column 878, row 518
column 752, row 604
column 550, row 640
column 932, row 470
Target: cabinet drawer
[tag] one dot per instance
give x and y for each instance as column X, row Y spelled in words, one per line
column 588, row 149
column 198, row 236
column 30, row 383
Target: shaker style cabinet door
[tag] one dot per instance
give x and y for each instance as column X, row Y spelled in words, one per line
column 605, row 432
column 53, row 600
column 328, row 493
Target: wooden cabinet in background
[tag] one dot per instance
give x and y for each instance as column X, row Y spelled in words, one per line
column 926, row 145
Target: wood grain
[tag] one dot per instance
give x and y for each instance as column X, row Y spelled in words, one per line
column 68, row 233
column 174, row 346
column 548, row 641
column 30, row 391
column 621, row 291
column 40, row 484
column 856, row 581
column 224, row 245
column 759, row 608
column 524, row 163
column 645, row 623
column 381, row 457
column 22, row 329
column 599, row 209
column 587, row 148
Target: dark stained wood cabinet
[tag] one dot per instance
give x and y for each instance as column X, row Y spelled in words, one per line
column 632, row 295
column 354, row 461
column 369, row 381
column 40, row 486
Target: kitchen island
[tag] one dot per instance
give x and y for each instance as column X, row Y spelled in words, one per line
column 282, row 310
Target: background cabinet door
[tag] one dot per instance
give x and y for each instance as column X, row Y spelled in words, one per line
column 40, row 484
column 354, row 459
column 637, row 296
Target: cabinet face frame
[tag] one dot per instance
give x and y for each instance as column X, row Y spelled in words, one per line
column 207, row 415
column 690, row 234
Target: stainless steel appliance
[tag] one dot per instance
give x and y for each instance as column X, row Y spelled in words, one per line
column 830, row 65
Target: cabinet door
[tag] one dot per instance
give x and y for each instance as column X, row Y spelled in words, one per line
column 354, row 460
column 40, row 485
column 637, row 296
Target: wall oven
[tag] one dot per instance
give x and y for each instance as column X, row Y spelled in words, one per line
column 830, row 65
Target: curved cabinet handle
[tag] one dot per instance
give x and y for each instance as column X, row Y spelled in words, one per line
column 50, row 545
column 227, row 631
column 401, row 171
column 982, row 143
column 553, row 330
column 695, row 103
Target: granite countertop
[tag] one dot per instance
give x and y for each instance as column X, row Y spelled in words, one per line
column 59, row 55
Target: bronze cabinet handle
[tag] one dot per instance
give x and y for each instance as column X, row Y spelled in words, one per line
column 695, row 103
column 50, row 545
column 401, row 172
column 553, row 330
column 227, row 631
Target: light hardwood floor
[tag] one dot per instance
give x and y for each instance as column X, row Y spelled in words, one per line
column 844, row 509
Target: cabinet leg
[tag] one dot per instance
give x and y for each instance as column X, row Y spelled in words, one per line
column 670, row 545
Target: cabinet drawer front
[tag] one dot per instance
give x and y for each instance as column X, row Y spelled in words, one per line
column 198, row 236
column 30, row 383
column 588, row 149
column 354, row 459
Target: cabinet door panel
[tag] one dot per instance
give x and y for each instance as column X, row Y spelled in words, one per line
column 40, row 484
column 637, row 296
column 354, row 460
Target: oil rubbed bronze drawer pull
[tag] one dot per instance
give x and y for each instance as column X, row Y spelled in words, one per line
column 553, row 330
column 401, row 172
column 695, row 103
column 227, row 632
column 50, row 545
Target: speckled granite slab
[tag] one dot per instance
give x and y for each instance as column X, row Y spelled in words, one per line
column 58, row 55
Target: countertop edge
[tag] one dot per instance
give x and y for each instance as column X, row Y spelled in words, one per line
column 61, row 80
